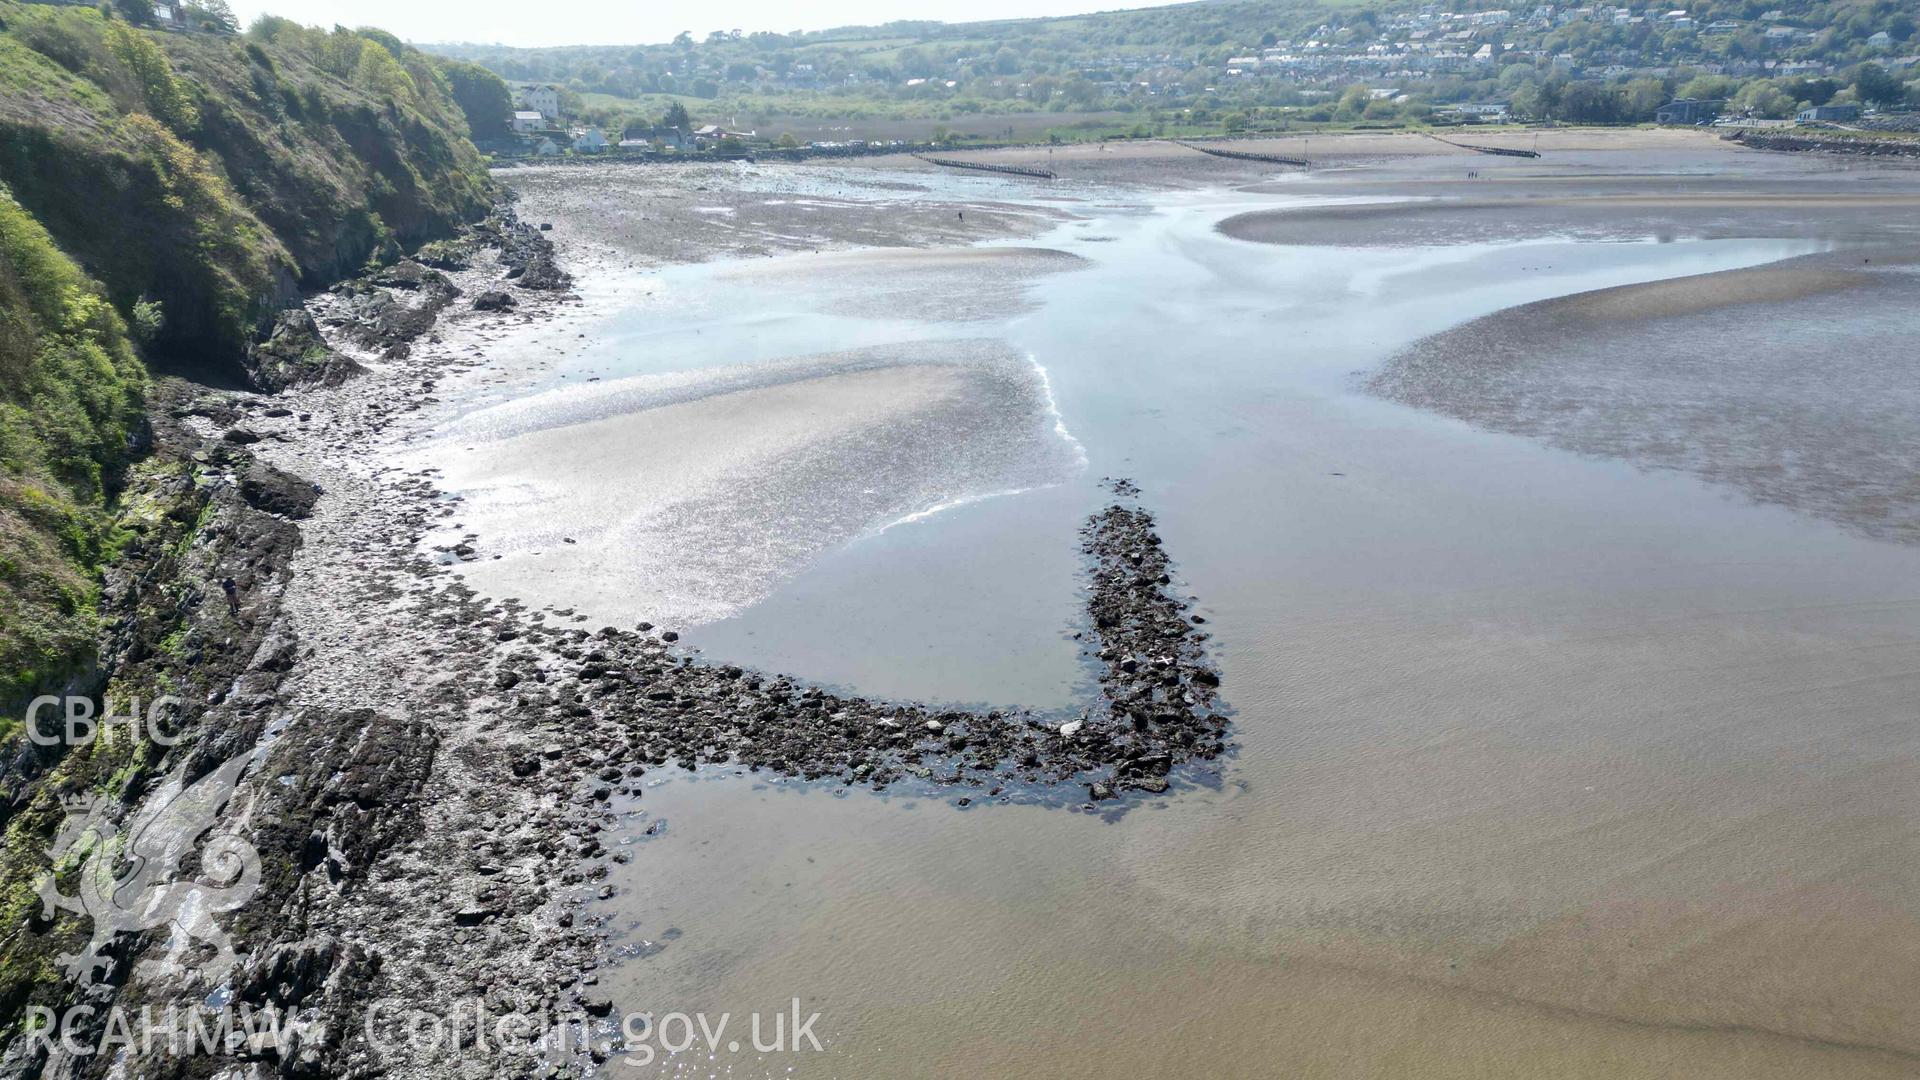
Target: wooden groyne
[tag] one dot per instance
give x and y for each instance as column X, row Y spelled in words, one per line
column 1242, row 155
column 1010, row 170
column 1500, row 150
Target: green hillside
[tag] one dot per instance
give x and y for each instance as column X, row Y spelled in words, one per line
column 1212, row 60
column 70, row 396
column 216, row 174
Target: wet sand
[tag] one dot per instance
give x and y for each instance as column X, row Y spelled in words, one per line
column 1547, row 763
column 953, row 285
column 682, row 500
column 1669, row 216
column 1791, row 383
column 1775, row 284
column 1158, row 163
column 637, row 216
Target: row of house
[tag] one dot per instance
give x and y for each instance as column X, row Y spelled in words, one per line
column 1431, row 41
column 593, row 140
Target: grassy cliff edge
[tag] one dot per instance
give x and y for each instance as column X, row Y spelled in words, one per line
column 218, row 174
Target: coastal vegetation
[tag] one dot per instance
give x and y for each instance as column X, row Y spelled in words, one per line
column 70, row 398
column 162, row 196
column 218, row 174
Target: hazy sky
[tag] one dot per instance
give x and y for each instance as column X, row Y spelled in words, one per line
column 628, row 22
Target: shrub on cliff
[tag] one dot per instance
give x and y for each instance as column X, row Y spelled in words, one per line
column 70, row 405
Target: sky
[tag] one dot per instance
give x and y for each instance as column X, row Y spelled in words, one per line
column 634, row 22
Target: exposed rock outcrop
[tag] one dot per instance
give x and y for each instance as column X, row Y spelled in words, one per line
column 295, row 354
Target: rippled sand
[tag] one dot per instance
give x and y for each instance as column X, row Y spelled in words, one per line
column 960, row 285
column 1794, row 384
column 680, row 499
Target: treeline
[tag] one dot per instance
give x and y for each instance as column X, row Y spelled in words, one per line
column 1637, row 100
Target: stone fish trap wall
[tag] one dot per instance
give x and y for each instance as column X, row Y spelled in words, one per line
column 1158, row 704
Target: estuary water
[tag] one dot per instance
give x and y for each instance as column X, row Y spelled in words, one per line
column 1547, row 764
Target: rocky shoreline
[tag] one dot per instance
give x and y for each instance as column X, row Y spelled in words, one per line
column 198, row 612
column 1860, row 144
column 431, row 771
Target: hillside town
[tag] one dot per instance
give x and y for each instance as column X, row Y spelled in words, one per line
column 1432, row 43
column 1227, row 68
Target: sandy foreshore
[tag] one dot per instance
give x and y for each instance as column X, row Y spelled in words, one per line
column 1732, row 376
column 1160, row 162
column 1863, row 217
column 638, row 216
column 1406, row 911
column 690, row 483
column 1602, row 1024
column 503, row 728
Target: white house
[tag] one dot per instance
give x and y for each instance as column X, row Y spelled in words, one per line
column 590, row 141
column 541, row 98
column 527, row 120
column 1485, row 110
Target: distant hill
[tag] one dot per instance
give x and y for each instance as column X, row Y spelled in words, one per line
column 1226, row 56
column 1231, row 64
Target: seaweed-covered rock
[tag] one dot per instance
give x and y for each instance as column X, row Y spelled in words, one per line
column 409, row 275
column 296, row 355
column 529, row 256
column 393, row 307
column 447, row 254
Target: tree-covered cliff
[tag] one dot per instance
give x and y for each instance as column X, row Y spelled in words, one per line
column 217, row 173
column 164, row 194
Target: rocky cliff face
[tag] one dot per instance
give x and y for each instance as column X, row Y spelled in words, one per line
column 168, row 198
